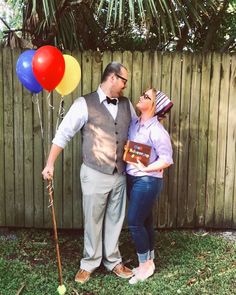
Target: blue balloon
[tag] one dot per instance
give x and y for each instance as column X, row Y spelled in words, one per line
column 25, row 73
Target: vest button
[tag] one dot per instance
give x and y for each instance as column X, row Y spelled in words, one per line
column 116, row 132
column 117, row 142
column 115, row 123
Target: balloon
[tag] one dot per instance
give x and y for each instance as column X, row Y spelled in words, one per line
column 71, row 76
column 25, row 73
column 48, row 66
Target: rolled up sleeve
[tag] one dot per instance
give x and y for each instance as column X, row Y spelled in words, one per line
column 73, row 121
column 163, row 147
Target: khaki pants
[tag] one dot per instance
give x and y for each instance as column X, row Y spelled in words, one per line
column 104, row 201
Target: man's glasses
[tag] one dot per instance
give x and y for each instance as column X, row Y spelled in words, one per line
column 122, row 78
column 145, row 96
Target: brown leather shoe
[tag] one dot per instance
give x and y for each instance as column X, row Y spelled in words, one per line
column 82, row 276
column 122, row 271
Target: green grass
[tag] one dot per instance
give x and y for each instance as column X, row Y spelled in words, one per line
column 186, row 263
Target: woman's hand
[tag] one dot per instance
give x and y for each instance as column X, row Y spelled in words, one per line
column 139, row 165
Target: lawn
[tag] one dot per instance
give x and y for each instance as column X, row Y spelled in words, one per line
column 187, row 262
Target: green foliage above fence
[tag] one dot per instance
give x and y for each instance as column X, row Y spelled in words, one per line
column 199, row 188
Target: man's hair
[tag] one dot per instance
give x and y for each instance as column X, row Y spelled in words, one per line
column 113, row 67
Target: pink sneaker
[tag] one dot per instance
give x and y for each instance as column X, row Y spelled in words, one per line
column 135, row 270
column 136, row 278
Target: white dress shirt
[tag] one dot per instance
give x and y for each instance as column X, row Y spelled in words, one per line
column 77, row 116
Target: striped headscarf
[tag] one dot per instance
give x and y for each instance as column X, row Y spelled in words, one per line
column 163, row 104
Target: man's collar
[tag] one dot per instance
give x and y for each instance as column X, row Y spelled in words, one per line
column 102, row 95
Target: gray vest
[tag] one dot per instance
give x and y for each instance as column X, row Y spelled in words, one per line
column 103, row 138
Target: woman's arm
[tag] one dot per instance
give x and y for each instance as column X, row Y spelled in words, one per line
column 153, row 167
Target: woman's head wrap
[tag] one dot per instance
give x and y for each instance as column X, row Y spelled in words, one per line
column 163, row 104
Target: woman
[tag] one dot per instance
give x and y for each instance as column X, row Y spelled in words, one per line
column 145, row 182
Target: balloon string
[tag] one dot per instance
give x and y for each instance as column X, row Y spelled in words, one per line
column 61, row 112
column 35, row 100
column 49, row 103
column 51, row 107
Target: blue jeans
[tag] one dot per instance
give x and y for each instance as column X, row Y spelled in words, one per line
column 143, row 191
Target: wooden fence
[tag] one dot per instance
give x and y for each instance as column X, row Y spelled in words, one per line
column 199, row 188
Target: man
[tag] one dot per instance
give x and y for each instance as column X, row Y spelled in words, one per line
column 103, row 118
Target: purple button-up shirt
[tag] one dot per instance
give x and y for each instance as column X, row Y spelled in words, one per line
column 152, row 133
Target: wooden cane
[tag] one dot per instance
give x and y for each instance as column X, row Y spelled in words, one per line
column 61, row 287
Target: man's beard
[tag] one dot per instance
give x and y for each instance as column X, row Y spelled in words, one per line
column 120, row 92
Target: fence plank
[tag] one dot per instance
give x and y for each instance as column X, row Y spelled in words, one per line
column 117, row 56
column 146, row 72
column 221, row 144
column 230, row 152
column 193, row 140
column 174, row 134
column 136, row 77
column 44, row 110
column 234, row 203
column 212, row 140
column 106, row 59
column 184, row 140
column 67, row 178
column 18, row 146
column 232, row 104
column 203, row 130
column 2, row 154
column 128, row 63
column 77, row 160
column 28, row 159
column 96, row 70
column 38, row 142
column 87, row 72
column 9, row 137
column 156, row 70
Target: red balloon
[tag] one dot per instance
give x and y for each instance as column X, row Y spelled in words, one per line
column 48, row 66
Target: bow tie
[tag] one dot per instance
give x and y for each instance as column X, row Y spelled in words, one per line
column 113, row 101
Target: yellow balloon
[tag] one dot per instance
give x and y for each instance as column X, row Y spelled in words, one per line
column 72, row 76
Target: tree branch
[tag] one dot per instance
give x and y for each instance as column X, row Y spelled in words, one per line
column 214, row 26
column 5, row 23
column 182, row 41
